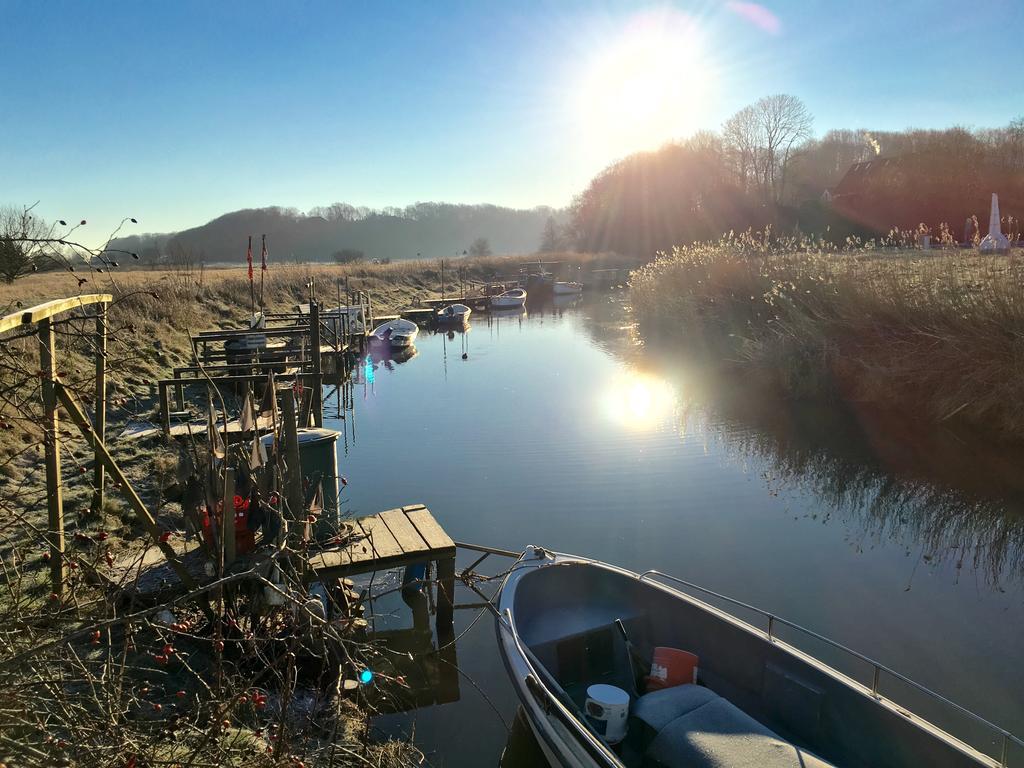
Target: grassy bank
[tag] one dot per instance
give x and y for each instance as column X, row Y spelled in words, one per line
column 939, row 333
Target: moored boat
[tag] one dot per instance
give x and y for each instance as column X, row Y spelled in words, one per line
column 509, row 299
column 563, row 288
column 586, row 643
column 454, row 314
column 395, row 333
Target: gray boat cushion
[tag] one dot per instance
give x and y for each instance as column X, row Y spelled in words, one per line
column 715, row 734
column 659, row 708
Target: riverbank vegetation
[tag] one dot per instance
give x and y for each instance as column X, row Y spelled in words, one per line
column 940, row 333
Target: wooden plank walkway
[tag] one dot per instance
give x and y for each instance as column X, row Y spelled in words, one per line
column 137, row 430
column 390, row 539
column 380, row 542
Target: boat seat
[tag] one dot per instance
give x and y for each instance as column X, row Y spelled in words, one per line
column 693, row 727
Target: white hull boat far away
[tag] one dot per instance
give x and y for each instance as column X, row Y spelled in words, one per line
column 454, row 313
column 623, row 670
column 395, row 333
column 509, row 299
column 567, row 288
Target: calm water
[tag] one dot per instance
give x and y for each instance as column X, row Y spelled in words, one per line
column 557, row 429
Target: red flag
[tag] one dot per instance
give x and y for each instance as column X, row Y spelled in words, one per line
column 264, row 255
column 248, row 258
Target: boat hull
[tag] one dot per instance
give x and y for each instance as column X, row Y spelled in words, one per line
column 396, row 334
column 454, row 315
column 567, row 289
column 549, row 600
column 508, row 302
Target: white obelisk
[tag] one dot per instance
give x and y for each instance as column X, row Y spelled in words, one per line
column 995, row 240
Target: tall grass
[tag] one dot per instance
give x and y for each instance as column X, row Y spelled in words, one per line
column 936, row 331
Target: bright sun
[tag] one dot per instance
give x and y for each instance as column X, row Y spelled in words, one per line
column 649, row 86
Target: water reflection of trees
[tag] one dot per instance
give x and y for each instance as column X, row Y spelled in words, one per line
column 955, row 498
column 843, row 458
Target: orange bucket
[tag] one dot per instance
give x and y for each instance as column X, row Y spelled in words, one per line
column 671, row 667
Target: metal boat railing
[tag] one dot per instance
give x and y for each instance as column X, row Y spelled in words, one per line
column 1006, row 738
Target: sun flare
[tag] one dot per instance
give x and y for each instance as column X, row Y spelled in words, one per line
column 649, row 86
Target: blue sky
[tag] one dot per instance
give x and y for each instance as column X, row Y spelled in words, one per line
column 177, row 112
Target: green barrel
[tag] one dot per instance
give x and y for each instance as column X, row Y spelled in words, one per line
column 318, row 456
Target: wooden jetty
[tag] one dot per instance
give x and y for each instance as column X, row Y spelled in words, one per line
column 392, row 539
column 395, row 538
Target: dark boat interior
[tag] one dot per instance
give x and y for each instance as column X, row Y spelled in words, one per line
column 754, row 704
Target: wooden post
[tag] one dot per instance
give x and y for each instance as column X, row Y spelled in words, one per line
column 78, row 416
column 51, row 443
column 165, row 407
column 445, row 595
column 290, row 451
column 99, row 471
column 314, row 342
column 228, row 521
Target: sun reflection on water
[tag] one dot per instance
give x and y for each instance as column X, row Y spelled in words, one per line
column 638, row 400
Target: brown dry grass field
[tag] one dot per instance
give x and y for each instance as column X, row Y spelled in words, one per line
column 939, row 334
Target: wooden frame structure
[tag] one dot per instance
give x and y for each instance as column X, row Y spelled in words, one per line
column 55, row 394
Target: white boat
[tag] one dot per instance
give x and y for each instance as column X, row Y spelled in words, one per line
column 578, row 639
column 509, row 299
column 454, row 313
column 395, row 333
column 567, row 288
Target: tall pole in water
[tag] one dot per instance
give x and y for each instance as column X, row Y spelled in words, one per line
column 442, row 280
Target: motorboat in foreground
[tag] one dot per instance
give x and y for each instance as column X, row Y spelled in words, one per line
column 395, row 333
column 509, row 299
column 454, row 313
column 561, row 288
column 578, row 638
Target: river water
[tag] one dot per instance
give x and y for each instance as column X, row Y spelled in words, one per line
column 559, row 428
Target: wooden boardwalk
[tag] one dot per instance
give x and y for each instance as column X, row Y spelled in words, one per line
column 398, row 537
column 389, row 539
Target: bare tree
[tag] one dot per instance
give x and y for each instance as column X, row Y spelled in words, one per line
column 783, row 123
column 761, row 139
column 551, row 240
column 740, row 137
column 480, row 247
column 20, row 250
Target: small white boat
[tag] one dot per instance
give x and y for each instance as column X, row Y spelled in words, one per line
column 454, row 313
column 567, row 288
column 509, row 299
column 395, row 333
column 622, row 670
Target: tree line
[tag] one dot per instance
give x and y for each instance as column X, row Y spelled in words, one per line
column 765, row 168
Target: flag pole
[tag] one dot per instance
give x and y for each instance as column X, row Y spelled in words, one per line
column 263, row 269
column 252, row 286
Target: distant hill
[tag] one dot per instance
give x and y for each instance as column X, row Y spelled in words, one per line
column 427, row 230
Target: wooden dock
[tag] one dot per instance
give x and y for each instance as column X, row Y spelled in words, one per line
column 393, row 539
column 390, row 539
